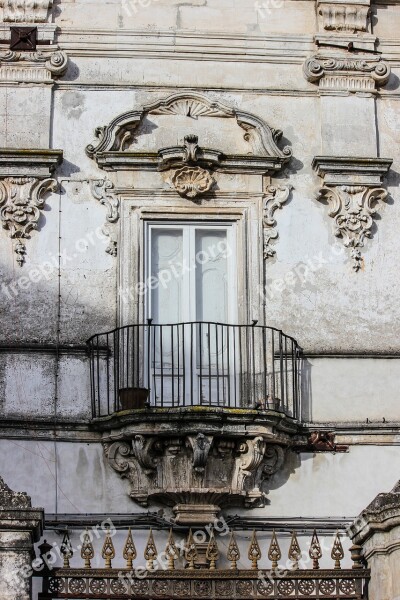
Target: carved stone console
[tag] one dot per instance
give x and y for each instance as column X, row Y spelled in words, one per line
column 24, row 182
column 166, row 459
column 352, row 189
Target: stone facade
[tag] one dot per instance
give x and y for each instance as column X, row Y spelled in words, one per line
column 277, row 119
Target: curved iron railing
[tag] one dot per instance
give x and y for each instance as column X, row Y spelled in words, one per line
column 195, row 363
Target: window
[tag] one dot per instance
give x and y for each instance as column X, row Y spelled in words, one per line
column 191, row 271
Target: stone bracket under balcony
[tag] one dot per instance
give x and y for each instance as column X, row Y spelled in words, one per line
column 197, row 469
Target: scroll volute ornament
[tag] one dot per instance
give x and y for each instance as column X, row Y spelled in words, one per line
column 21, row 199
column 354, row 194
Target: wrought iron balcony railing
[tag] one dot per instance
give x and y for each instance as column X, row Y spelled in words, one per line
column 194, row 364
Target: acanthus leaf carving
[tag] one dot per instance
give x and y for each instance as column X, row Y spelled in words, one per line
column 352, row 208
column 274, row 198
column 21, row 199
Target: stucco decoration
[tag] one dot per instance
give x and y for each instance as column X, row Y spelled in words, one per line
column 103, row 190
column 214, row 139
column 196, row 474
column 119, row 142
column 42, row 66
column 25, row 11
column 347, row 72
column 274, row 198
column 24, row 184
column 353, row 193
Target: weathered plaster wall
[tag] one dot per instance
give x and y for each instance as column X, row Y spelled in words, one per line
column 124, row 58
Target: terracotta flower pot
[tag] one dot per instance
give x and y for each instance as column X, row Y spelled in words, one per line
column 131, row 398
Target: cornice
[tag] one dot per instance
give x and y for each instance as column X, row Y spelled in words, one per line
column 354, row 170
column 26, row 162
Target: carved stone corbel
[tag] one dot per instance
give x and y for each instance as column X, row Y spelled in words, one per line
column 103, row 191
column 274, row 198
column 24, row 183
column 200, row 445
column 142, row 450
column 353, row 191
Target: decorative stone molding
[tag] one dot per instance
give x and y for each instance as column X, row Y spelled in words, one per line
column 192, row 181
column 345, row 16
column 274, row 198
column 115, row 149
column 166, row 459
column 25, row 11
column 42, row 66
column 189, row 471
column 103, row 190
column 352, row 189
column 377, row 530
column 24, row 183
column 347, row 72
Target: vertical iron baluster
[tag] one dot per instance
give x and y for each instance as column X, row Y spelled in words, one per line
column 228, row 366
column 115, row 367
column 183, row 364
column 282, row 390
column 234, row 365
column 222, row 365
column 149, row 357
column 160, row 327
column 92, row 387
column 173, row 374
column 294, row 399
column 139, row 379
column 191, row 364
column 108, row 353
column 286, row 378
column 242, row 398
column 264, row 351
column 253, row 358
column 127, row 357
column 216, row 356
column 248, row 368
column 209, row 363
column 273, row 367
column 153, row 360
column 201, row 364
column 179, row 371
column 98, row 370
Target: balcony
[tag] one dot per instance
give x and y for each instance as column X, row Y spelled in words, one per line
column 194, row 364
column 196, row 415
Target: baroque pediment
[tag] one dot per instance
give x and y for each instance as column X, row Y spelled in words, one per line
column 141, row 138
